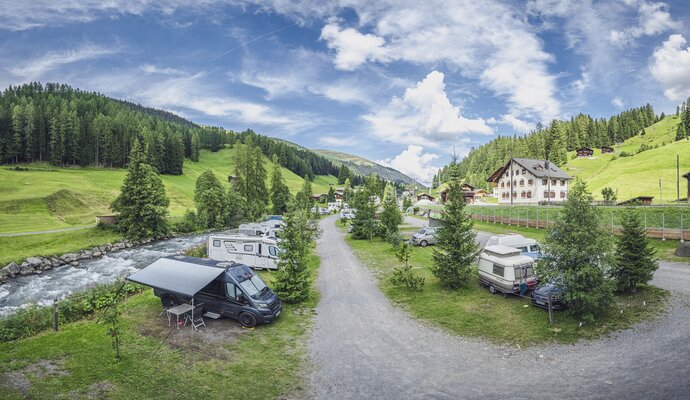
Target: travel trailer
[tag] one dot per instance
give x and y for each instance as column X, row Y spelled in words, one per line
column 527, row 246
column 261, row 229
column 504, row 269
column 259, row 252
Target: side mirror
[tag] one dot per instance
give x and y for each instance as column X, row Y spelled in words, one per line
column 240, row 297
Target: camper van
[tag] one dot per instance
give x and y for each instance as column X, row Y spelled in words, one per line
column 527, row 246
column 217, row 289
column 425, row 236
column 503, row 269
column 261, row 229
column 259, row 252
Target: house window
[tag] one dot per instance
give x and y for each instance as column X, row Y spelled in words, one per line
column 524, row 171
column 503, row 184
column 553, row 194
column 553, row 182
column 517, row 172
column 529, row 195
column 543, row 181
column 248, row 247
column 562, row 182
column 515, row 195
column 546, row 194
column 522, row 182
column 530, row 182
column 522, row 194
column 498, row 270
column 562, row 194
column 514, row 183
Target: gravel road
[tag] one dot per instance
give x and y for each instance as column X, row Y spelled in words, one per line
column 364, row 347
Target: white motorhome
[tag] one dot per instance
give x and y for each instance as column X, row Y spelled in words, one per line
column 261, row 229
column 335, row 206
column 504, row 269
column 259, row 252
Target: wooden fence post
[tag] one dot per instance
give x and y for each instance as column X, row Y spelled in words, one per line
column 55, row 314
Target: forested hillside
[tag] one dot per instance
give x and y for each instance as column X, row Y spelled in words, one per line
column 553, row 142
column 66, row 126
column 364, row 167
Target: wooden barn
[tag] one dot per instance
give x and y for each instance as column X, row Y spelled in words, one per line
column 584, row 152
column 638, row 201
column 606, row 150
column 425, row 196
column 687, row 176
column 468, row 193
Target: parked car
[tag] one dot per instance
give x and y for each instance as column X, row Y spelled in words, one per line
column 347, row 213
column 527, row 246
column 540, row 296
column 503, row 269
column 425, row 236
column 323, row 211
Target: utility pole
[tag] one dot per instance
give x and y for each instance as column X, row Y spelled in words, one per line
column 511, row 173
column 678, row 179
column 661, row 199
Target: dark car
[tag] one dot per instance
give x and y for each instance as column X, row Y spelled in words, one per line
column 540, row 296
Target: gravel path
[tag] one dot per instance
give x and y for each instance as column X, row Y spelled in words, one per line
column 364, row 347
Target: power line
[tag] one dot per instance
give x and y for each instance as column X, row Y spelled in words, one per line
column 250, row 41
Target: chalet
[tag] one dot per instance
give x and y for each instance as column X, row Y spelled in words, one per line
column 425, row 196
column 637, row 201
column 481, row 193
column 106, row 219
column 584, row 152
column 532, row 182
column 687, row 176
column 606, row 150
column 232, row 178
column 468, row 193
column 320, row 197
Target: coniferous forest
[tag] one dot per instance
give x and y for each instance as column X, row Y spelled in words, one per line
column 552, row 142
column 64, row 126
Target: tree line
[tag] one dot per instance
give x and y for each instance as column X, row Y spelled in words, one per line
column 551, row 142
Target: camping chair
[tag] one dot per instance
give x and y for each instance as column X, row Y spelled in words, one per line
column 196, row 318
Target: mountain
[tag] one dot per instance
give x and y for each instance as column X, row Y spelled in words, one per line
column 365, row 167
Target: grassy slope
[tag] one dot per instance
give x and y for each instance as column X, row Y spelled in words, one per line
column 258, row 364
column 640, row 174
column 52, row 198
column 473, row 311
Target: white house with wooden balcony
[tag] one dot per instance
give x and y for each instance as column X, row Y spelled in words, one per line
column 527, row 181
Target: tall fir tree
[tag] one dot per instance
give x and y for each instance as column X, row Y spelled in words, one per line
column 680, row 132
column 209, row 197
column 391, row 217
column 305, row 197
column 280, row 193
column 364, row 222
column 293, row 278
column 343, row 174
column 636, row 260
column 456, row 248
column 142, row 206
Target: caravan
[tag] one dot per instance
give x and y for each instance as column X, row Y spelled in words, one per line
column 504, row 269
column 267, row 229
column 259, row 252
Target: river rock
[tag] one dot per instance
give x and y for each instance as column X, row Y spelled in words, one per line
column 97, row 254
column 69, row 257
column 12, row 268
column 26, row 269
column 128, row 245
column 55, row 262
column 34, row 261
column 683, row 250
column 74, row 263
column 86, row 254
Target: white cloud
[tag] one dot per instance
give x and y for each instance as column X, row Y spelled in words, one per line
column 653, row 19
column 337, row 141
column 512, row 121
column 152, row 69
column 582, row 84
column 353, row 48
column 670, row 66
column 415, row 163
column 618, row 102
column 424, row 115
column 37, row 68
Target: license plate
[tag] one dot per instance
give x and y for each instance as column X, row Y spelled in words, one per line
column 540, row 302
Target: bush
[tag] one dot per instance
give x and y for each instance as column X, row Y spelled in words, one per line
column 403, row 275
column 626, row 154
column 197, row 251
column 189, row 223
column 34, row 319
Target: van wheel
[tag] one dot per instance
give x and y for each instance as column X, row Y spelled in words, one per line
column 248, row 320
column 492, row 289
column 168, row 301
column 423, row 243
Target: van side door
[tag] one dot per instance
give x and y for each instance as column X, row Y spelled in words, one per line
column 234, row 300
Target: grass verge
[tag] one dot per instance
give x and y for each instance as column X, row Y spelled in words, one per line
column 79, row 362
column 474, row 312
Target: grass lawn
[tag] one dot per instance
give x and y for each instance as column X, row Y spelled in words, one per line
column 18, row 248
column 474, row 312
column 232, row 363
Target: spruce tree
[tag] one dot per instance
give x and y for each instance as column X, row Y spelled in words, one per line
column 343, row 174
column 364, row 222
column 680, row 132
column 579, row 254
column 635, row 257
column 391, row 217
column 293, row 278
column 305, row 197
column 331, row 194
column 456, row 248
column 209, row 197
column 195, row 146
column 280, row 193
column 142, row 205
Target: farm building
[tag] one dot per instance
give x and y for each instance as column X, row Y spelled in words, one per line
column 106, row 219
column 532, row 182
column 687, row 176
column 425, row 196
column 606, row 150
column 584, row 152
column 467, row 193
column 639, row 200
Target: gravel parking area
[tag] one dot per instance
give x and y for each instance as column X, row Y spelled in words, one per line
column 364, row 347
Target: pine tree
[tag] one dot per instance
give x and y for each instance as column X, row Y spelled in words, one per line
column 579, row 252
column 56, row 141
column 305, row 197
column 142, row 205
column 391, row 217
column 680, row 132
column 343, row 174
column 331, row 194
column 209, row 197
column 635, row 257
column 195, row 146
column 280, row 193
column 364, row 222
column 456, row 249
column 293, row 278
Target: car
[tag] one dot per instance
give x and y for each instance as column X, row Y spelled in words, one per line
column 425, row 236
column 540, row 296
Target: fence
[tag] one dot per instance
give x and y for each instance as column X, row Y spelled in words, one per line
column 667, row 222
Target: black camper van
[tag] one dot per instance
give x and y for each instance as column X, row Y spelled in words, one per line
column 228, row 289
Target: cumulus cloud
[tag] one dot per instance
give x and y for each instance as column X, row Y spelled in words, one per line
column 424, row 115
column 516, row 123
column 670, row 66
column 353, row 48
column 653, row 19
column 618, row 102
column 415, row 163
column 337, row 141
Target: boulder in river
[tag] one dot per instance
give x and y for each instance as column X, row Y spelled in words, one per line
column 26, row 269
column 34, row 261
column 74, row 263
column 12, row 268
column 69, row 257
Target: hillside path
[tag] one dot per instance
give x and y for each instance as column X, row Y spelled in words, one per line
column 364, row 347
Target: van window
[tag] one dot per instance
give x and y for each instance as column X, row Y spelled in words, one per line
column 248, row 247
column 273, row 251
column 211, row 289
column 231, row 290
column 216, row 243
column 522, row 249
column 534, row 248
column 498, row 270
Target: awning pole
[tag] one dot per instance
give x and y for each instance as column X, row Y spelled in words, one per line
column 192, row 318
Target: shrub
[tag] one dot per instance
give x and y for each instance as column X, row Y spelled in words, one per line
column 626, row 154
column 403, row 275
column 188, row 223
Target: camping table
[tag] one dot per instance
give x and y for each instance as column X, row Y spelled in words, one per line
column 177, row 311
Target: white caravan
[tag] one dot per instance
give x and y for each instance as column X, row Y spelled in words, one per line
column 259, row 252
column 261, row 229
column 504, row 269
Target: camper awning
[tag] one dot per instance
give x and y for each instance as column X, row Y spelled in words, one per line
column 176, row 276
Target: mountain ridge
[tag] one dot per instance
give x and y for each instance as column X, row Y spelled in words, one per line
column 363, row 166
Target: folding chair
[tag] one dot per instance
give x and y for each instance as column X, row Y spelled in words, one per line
column 196, row 318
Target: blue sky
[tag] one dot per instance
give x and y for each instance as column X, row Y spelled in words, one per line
column 400, row 82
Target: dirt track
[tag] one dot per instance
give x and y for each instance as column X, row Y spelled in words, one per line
column 364, row 347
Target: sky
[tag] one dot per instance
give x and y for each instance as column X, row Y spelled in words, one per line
column 404, row 83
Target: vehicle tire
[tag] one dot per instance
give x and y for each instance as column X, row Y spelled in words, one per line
column 492, row 289
column 168, row 301
column 423, row 243
column 248, row 320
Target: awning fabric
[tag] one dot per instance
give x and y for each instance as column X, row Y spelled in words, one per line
column 176, row 276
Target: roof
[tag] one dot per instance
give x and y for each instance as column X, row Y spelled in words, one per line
column 687, row 175
column 584, row 148
column 501, row 250
column 179, row 274
column 536, row 167
column 607, row 147
column 636, row 199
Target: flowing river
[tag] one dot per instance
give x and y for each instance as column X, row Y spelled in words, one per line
column 62, row 281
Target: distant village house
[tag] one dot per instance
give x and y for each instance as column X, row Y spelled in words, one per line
column 687, row 176
column 584, row 152
column 606, row 149
column 638, row 201
column 533, row 182
column 425, row 196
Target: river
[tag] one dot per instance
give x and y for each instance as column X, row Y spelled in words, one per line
column 62, row 281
